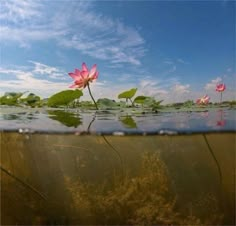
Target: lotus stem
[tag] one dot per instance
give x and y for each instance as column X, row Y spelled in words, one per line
column 221, row 97
column 131, row 102
column 23, row 183
column 92, row 97
column 213, row 156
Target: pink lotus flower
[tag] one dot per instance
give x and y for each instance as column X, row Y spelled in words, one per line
column 84, row 77
column 220, row 87
column 203, row 100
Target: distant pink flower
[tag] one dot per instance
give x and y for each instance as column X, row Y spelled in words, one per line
column 203, row 100
column 220, row 87
column 84, row 77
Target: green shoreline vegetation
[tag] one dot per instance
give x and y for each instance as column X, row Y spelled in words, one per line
column 71, row 99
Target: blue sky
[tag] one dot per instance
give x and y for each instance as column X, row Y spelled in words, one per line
column 171, row 50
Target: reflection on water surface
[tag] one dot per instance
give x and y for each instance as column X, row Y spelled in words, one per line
column 128, row 121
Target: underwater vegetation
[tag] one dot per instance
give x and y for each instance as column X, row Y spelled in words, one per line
column 80, row 180
column 147, row 199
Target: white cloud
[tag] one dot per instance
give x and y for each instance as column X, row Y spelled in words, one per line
column 167, row 89
column 181, row 89
column 19, row 11
column 148, row 87
column 34, row 79
column 42, row 68
column 25, row 81
column 212, row 85
column 51, row 72
column 228, row 94
column 173, row 69
column 73, row 24
column 181, row 61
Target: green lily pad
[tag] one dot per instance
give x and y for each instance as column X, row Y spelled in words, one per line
column 127, row 94
column 31, row 100
column 10, row 98
column 64, row 97
column 140, row 99
column 107, row 103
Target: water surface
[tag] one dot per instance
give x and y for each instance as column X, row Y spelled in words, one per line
column 175, row 168
column 127, row 121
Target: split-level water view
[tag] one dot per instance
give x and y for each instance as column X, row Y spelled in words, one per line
column 117, row 112
column 128, row 166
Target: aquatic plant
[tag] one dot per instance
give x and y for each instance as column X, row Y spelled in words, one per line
column 153, row 103
column 220, row 88
column 32, row 100
column 145, row 199
column 140, row 99
column 203, row 100
column 11, row 98
column 83, row 78
column 188, row 103
column 64, row 97
column 128, row 95
column 107, row 103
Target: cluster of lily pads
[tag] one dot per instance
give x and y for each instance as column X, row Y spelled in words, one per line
column 82, row 79
column 71, row 98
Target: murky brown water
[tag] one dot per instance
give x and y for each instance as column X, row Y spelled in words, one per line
column 107, row 180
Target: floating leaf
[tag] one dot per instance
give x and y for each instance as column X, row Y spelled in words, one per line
column 156, row 105
column 140, row 99
column 31, row 99
column 10, row 98
column 188, row 103
column 64, row 97
column 127, row 94
column 105, row 102
column 129, row 122
column 66, row 118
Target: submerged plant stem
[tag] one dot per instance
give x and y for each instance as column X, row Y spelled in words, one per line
column 212, row 153
column 92, row 97
column 23, row 183
column 118, row 154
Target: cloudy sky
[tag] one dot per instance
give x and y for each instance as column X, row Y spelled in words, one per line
column 171, row 50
